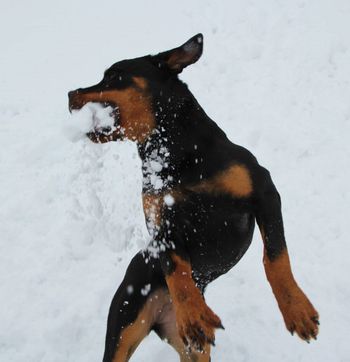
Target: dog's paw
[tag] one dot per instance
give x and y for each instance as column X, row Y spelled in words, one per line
column 196, row 324
column 299, row 315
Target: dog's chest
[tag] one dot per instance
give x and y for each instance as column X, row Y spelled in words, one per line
column 153, row 207
column 156, row 170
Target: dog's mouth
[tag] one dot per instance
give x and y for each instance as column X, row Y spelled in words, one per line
column 99, row 118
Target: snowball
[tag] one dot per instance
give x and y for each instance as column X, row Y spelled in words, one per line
column 102, row 116
column 92, row 116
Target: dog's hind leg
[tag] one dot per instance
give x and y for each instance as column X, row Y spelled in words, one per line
column 172, row 337
column 134, row 308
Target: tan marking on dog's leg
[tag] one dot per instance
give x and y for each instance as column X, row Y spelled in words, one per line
column 298, row 312
column 186, row 356
column 132, row 335
column 236, row 181
column 205, row 356
column 196, row 322
column 170, row 333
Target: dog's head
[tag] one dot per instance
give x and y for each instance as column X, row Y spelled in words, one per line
column 141, row 92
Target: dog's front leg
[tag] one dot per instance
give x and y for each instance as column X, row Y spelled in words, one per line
column 196, row 322
column 298, row 312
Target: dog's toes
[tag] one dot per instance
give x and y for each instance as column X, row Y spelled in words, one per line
column 197, row 334
column 299, row 315
column 315, row 319
column 212, row 319
column 306, row 328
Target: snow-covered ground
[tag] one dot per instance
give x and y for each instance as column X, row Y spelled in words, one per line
column 275, row 75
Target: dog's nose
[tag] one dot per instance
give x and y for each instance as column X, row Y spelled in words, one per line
column 73, row 93
column 73, row 99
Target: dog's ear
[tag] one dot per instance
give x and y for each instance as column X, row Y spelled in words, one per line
column 179, row 58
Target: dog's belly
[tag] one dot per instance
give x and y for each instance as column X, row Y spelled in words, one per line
column 217, row 231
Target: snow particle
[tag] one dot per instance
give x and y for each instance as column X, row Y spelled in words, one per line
column 145, row 290
column 130, row 289
column 169, row 200
column 156, row 166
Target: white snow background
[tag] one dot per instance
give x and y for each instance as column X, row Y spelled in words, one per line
column 274, row 75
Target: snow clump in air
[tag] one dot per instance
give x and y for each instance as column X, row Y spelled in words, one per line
column 91, row 117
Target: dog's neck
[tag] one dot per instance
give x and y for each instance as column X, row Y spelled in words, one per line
column 177, row 151
column 157, row 165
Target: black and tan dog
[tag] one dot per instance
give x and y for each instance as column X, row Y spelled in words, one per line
column 201, row 196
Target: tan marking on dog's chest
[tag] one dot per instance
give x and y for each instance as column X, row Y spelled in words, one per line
column 235, row 180
column 153, row 205
column 152, row 208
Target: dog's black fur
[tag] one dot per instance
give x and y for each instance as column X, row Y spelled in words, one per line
column 202, row 195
